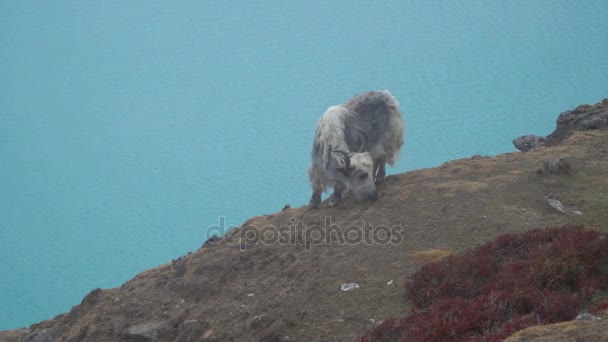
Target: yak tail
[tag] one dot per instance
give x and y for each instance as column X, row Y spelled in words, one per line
column 326, row 156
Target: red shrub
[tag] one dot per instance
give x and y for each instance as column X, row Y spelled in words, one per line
column 517, row 280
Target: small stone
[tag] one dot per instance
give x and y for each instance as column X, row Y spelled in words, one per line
column 207, row 335
column 587, row 317
column 349, row 286
column 390, row 282
column 556, row 204
column 147, row 330
column 261, row 321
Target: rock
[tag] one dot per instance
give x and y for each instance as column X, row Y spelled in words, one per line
column 45, row 335
column 92, row 298
column 528, row 142
column 560, row 166
column 207, row 336
column 261, row 321
column 214, row 240
column 349, row 286
column 556, row 204
column 191, row 329
column 148, row 331
column 583, row 118
column 587, row 317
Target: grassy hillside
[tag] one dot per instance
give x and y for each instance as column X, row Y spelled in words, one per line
column 237, row 288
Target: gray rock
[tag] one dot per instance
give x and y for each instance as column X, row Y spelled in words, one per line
column 148, row 331
column 560, row 166
column 261, row 321
column 349, row 286
column 45, row 335
column 587, row 317
column 528, row 142
column 192, row 329
column 583, row 118
column 207, row 336
column 556, row 204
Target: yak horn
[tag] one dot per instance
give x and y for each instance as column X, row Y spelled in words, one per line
column 346, row 157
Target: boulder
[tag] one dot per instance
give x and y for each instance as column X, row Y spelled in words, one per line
column 528, row 142
column 146, row 331
column 583, row 118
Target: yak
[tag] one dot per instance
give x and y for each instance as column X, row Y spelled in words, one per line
column 352, row 144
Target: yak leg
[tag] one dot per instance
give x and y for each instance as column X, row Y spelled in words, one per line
column 379, row 170
column 315, row 200
column 317, row 186
column 336, row 197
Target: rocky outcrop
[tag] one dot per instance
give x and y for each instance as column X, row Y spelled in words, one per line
column 529, row 142
column 576, row 330
column 583, row 118
column 558, row 166
column 146, row 331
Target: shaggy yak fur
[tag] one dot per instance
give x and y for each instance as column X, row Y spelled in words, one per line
column 353, row 143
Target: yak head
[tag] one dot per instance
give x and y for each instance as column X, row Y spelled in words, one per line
column 356, row 172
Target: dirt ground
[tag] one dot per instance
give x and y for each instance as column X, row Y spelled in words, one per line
column 236, row 288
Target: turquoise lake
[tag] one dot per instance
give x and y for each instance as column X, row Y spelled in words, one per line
column 128, row 127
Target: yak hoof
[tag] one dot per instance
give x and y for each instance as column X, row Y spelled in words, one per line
column 335, row 199
column 313, row 206
column 315, row 200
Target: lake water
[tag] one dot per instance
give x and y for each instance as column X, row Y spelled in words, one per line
column 128, row 127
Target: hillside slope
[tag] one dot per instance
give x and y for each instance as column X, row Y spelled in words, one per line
column 235, row 288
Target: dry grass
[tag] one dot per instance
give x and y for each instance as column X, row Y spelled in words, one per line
column 451, row 188
column 431, row 255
